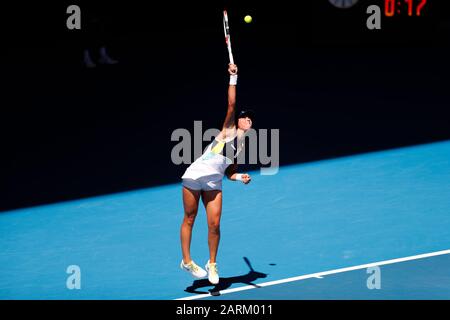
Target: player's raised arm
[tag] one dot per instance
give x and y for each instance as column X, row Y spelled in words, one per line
column 231, row 108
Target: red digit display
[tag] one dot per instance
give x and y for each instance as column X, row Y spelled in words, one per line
column 410, row 7
column 420, row 6
column 389, row 8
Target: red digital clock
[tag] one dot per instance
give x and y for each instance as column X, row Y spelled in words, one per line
column 402, row 7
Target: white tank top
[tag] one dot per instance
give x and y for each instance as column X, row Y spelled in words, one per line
column 215, row 160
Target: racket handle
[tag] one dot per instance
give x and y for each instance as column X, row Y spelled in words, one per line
column 230, row 54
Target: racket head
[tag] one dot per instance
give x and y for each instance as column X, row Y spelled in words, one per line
column 226, row 30
column 226, row 27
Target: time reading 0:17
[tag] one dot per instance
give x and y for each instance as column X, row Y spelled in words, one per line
column 404, row 7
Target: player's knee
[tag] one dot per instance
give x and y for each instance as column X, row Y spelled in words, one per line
column 189, row 217
column 214, row 227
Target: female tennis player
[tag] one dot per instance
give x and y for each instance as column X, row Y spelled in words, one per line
column 203, row 179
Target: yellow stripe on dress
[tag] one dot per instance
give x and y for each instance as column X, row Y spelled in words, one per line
column 218, row 147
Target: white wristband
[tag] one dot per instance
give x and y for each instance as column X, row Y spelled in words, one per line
column 238, row 177
column 233, row 79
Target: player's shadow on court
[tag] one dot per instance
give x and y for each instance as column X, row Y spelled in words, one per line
column 225, row 283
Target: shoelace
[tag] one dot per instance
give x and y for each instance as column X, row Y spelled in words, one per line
column 194, row 267
column 214, row 268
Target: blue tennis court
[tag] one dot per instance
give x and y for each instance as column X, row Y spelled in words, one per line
column 308, row 232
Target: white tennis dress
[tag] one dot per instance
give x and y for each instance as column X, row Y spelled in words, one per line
column 206, row 172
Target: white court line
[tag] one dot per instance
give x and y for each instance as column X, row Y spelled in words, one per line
column 321, row 274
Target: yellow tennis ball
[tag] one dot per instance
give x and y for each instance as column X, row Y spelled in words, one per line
column 248, row 19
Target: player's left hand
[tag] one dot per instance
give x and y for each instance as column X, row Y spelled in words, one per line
column 246, row 178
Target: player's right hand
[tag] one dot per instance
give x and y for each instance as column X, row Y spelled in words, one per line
column 232, row 69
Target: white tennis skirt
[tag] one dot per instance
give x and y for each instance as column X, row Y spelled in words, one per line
column 206, row 183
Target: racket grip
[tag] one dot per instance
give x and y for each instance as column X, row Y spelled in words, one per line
column 230, row 55
column 231, row 58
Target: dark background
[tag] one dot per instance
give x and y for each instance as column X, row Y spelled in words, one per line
column 315, row 72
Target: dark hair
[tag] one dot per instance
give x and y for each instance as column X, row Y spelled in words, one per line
column 244, row 114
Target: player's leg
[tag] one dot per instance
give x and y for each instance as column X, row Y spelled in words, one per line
column 191, row 198
column 213, row 205
column 190, row 204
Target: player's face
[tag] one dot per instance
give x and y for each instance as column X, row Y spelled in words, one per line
column 245, row 123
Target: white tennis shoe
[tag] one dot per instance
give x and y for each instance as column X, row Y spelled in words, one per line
column 193, row 269
column 213, row 272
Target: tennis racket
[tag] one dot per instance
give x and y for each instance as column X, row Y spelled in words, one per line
column 226, row 30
